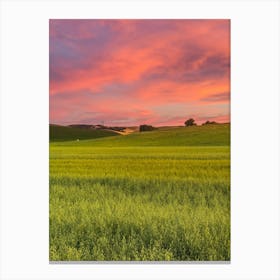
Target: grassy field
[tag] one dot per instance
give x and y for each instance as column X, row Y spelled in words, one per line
column 160, row 195
column 66, row 133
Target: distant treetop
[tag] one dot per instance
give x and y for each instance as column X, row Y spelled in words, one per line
column 208, row 122
column 190, row 122
column 145, row 127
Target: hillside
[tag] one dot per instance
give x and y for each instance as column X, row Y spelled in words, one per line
column 208, row 135
column 66, row 133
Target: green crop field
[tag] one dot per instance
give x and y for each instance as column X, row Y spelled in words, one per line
column 150, row 196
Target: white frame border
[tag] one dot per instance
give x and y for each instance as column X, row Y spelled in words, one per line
column 255, row 137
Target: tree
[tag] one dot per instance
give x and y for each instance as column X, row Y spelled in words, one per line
column 208, row 122
column 145, row 127
column 190, row 122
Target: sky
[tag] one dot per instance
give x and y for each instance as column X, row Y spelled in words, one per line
column 133, row 72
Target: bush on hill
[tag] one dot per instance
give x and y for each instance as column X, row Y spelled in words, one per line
column 145, row 127
column 208, row 122
column 190, row 122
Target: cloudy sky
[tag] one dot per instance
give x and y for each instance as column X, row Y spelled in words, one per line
column 131, row 72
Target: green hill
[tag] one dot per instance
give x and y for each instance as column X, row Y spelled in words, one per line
column 66, row 133
column 208, row 135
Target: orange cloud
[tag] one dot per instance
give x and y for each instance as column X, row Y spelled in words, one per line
column 136, row 65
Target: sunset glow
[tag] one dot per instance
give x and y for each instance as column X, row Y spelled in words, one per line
column 131, row 72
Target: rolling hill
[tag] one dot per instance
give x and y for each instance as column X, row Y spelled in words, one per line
column 65, row 133
column 208, row 135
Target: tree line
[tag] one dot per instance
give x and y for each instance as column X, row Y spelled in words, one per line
column 189, row 122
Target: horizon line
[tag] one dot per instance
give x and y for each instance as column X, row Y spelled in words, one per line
column 98, row 124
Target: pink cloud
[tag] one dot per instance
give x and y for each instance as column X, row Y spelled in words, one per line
column 121, row 69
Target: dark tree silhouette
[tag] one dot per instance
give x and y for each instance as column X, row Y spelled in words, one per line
column 190, row 122
column 208, row 122
column 145, row 127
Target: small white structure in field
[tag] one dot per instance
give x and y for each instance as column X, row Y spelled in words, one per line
column 78, row 140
